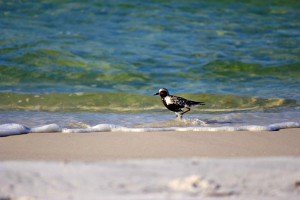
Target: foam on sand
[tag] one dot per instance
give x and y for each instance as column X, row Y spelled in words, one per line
column 13, row 129
column 16, row 129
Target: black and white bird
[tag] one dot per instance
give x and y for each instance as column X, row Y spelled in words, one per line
column 176, row 104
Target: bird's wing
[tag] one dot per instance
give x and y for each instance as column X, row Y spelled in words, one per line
column 194, row 103
column 178, row 100
column 184, row 102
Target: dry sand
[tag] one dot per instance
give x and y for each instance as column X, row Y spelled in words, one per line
column 144, row 145
column 151, row 165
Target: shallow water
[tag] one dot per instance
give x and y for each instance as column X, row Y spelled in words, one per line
column 13, row 123
column 83, row 58
column 84, row 120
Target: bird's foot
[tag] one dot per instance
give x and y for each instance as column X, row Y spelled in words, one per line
column 178, row 117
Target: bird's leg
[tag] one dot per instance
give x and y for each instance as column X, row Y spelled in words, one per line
column 179, row 116
column 187, row 110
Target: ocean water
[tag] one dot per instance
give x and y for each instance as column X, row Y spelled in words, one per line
column 78, row 64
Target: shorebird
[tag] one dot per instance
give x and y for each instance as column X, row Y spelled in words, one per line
column 176, row 104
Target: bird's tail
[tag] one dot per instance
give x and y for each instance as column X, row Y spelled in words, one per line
column 195, row 103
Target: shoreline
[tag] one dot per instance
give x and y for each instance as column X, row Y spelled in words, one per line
column 149, row 145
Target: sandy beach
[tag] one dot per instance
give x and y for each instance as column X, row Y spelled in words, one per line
column 90, row 91
column 149, row 145
column 151, row 165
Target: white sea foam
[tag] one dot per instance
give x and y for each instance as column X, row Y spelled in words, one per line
column 46, row 129
column 15, row 129
column 284, row 125
column 97, row 128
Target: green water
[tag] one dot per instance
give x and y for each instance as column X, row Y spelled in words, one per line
column 101, row 61
column 133, row 103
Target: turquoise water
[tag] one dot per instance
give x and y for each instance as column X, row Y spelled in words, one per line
column 235, row 55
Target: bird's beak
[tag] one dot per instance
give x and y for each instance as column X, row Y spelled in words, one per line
column 156, row 94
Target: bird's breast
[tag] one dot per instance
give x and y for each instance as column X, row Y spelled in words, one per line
column 168, row 100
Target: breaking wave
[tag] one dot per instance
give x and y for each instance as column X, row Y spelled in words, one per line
column 132, row 103
column 17, row 129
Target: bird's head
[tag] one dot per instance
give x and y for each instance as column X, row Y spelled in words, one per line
column 163, row 92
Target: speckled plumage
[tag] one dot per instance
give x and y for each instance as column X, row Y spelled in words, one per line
column 176, row 104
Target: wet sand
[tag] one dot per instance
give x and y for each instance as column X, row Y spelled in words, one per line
column 149, row 145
